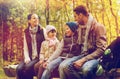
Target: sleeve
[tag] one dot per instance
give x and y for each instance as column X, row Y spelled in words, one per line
column 57, row 51
column 101, row 43
column 42, row 51
column 25, row 48
column 57, row 43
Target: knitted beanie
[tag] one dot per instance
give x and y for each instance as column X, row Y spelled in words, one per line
column 73, row 26
column 49, row 28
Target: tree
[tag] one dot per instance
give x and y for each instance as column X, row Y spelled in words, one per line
column 13, row 19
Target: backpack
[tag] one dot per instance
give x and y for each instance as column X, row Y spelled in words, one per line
column 112, row 59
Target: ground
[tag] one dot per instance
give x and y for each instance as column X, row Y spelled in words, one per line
column 3, row 76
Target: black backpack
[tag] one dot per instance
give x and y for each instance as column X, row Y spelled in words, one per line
column 112, row 60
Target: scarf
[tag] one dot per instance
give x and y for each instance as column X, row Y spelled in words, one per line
column 52, row 41
column 33, row 30
column 88, row 26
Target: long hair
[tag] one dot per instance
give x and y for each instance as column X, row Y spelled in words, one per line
column 29, row 17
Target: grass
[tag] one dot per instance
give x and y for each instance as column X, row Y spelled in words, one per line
column 2, row 74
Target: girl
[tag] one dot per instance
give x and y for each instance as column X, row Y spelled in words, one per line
column 47, row 48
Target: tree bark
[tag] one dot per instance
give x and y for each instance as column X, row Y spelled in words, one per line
column 116, row 22
column 47, row 12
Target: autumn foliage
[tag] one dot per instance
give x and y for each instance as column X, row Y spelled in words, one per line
column 13, row 20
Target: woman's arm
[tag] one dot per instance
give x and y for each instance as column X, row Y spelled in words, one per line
column 26, row 53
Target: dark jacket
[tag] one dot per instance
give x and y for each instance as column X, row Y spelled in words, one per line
column 39, row 39
column 70, row 46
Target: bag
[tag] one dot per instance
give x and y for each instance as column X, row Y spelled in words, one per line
column 111, row 58
column 107, row 60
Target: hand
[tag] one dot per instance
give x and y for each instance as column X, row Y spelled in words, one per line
column 79, row 63
column 45, row 64
column 27, row 61
column 41, row 61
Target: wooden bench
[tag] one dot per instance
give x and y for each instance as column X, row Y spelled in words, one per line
column 11, row 72
column 112, row 74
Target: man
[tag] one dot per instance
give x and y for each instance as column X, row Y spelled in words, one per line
column 33, row 37
column 92, row 40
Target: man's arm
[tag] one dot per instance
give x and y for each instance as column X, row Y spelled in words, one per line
column 100, row 43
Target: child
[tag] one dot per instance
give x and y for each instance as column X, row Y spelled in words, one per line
column 66, row 49
column 47, row 48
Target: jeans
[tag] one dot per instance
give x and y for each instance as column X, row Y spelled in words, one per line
column 51, row 66
column 68, row 71
column 26, row 71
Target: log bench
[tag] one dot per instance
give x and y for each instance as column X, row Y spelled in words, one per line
column 112, row 74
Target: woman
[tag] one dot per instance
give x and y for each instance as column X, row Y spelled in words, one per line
column 34, row 35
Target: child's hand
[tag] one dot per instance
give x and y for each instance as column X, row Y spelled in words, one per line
column 45, row 64
column 41, row 61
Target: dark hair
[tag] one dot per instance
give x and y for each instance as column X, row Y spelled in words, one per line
column 81, row 9
column 29, row 16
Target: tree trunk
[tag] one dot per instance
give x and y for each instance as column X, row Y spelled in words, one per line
column 116, row 22
column 47, row 12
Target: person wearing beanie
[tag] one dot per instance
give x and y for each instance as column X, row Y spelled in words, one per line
column 93, row 42
column 49, row 28
column 47, row 48
column 71, row 28
column 72, row 25
column 67, row 48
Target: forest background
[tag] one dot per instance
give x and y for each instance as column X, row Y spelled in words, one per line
column 13, row 21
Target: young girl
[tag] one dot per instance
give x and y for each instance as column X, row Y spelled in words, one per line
column 47, row 48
